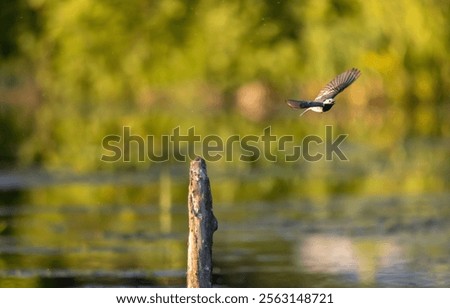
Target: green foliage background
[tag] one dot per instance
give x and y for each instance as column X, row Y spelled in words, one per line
column 89, row 67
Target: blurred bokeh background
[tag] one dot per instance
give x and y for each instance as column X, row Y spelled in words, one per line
column 75, row 71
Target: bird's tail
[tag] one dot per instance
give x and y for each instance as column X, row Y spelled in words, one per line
column 298, row 104
column 303, row 104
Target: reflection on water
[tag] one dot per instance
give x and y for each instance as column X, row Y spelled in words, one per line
column 362, row 259
column 277, row 228
column 296, row 252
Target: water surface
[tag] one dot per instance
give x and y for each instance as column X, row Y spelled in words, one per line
column 306, row 225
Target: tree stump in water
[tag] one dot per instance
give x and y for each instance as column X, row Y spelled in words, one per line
column 202, row 225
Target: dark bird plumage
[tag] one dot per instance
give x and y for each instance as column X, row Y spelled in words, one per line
column 325, row 99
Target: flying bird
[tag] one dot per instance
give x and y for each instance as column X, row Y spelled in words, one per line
column 325, row 100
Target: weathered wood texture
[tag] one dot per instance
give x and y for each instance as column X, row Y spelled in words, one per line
column 202, row 225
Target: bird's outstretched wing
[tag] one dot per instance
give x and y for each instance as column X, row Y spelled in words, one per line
column 338, row 84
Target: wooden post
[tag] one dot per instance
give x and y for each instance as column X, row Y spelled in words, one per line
column 202, row 225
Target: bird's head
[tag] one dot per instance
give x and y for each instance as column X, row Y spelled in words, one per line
column 328, row 101
column 327, row 104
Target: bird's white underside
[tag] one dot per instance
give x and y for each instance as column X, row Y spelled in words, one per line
column 316, row 109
